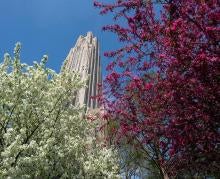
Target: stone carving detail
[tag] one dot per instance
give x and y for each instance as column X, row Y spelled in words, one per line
column 84, row 58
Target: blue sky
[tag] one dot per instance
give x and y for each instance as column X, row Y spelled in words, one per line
column 50, row 27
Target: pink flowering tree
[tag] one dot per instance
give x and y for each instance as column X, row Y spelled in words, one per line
column 162, row 91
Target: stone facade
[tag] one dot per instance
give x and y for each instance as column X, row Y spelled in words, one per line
column 84, row 58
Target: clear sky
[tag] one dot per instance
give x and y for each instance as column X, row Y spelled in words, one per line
column 50, row 27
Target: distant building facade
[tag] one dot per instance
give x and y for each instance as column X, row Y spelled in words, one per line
column 84, row 58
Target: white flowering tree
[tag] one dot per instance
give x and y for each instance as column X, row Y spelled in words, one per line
column 42, row 135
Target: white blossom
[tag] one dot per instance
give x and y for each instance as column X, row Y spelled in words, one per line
column 40, row 135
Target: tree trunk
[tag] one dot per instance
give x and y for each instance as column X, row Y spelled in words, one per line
column 163, row 173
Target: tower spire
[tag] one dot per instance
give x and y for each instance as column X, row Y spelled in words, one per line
column 84, row 58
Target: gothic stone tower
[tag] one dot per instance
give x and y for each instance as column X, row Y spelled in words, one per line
column 84, row 58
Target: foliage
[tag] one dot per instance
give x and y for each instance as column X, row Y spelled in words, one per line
column 42, row 135
column 163, row 83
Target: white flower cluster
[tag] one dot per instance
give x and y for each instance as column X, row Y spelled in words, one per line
column 42, row 135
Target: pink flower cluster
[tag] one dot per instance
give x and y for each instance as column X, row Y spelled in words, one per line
column 167, row 95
